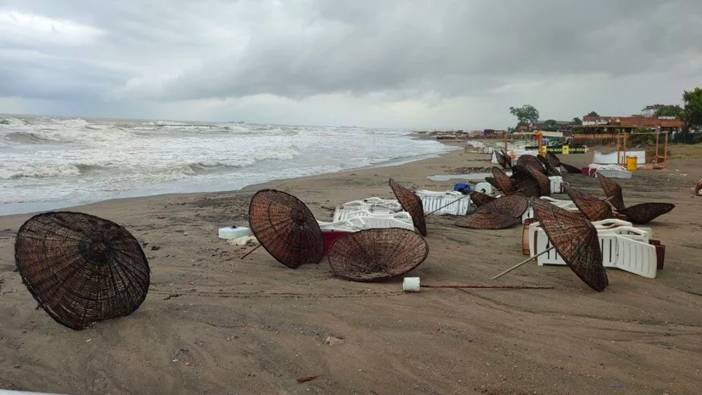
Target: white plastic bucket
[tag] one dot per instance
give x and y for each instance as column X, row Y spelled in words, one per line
column 233, row 232
column 410, row 284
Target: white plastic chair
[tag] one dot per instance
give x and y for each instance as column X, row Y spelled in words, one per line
column 372, row 205
column 625, row 248
column 397, row 220
column 564, row 204
column 431, row 201
column 556, row 184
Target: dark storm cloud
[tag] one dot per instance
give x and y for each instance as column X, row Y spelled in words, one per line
column 431, row 56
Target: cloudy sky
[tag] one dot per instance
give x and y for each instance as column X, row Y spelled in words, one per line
column 388, row 63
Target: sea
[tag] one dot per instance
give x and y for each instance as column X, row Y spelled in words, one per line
column 48, row 163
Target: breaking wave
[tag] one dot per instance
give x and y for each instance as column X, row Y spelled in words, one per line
column 71, row 161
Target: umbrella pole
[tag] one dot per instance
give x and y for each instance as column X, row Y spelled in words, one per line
column 462, row 286
column 446, row 205
column 251, row 251
column 520, row 264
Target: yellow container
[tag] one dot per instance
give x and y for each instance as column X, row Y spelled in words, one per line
column 631, row 163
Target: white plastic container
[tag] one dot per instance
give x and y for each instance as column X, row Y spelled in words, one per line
column 233, row 232
column 410, row 284
column 486, row 188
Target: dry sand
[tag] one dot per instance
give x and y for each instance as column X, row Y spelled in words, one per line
column 213, row 323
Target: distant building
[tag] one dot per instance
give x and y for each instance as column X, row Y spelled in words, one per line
column 628, row 124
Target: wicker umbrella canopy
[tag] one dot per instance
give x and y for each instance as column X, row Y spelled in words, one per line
column 542, row 181
column 550, row 169
column 593, row 208
column 524, row 182
column 479, row 198
column 411, row 203
column 500, row 213
column 285, row 227
column 81, row 268
column 487, row 220
column 613, row 191
column 377, row 254
column 575, row 239
column 502, row 181
column 503, row 159
column 554, row 160
column 570, row 168
column 527, row 161
column 646, row 212
column 512, row 206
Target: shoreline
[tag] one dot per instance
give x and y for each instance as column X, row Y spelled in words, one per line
column 214, row 323
column 385, row 163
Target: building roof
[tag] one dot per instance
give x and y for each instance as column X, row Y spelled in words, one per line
column 634, row 121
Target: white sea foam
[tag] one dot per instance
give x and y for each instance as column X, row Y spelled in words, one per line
column 51, row 163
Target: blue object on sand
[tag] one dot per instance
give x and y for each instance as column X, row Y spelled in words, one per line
column 462, row 187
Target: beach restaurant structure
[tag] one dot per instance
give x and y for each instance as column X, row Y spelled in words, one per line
column 628, row 124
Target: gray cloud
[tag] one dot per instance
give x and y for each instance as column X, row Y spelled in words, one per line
column 425, row 63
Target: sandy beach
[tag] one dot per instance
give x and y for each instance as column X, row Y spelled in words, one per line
column 215, row 324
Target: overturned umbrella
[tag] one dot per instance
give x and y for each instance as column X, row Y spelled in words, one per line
column 285, row 227
column 81, row 268
column 595, row 209
column 500, row 213
column 640, row 213
column 479, row 198
column 502, row 181
column 503, row 159
column 556, row 162
column 576, row 241
column 613, row 192
column 644, row 213
column 377, row 254
column 411, row 203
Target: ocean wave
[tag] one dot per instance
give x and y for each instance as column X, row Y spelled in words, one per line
column 49, row 171
column 28, row 138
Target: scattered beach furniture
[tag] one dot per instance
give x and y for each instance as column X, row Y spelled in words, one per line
column 285, row 227
column 377, row 254
column 411, row 203
column 611, row 171
column 623, row 247
column 485, row 188
column 361, row 220
column 639, row 213
column 500, row 213
column 564, row 204
column 614, row 158
column 576, row 241
column 444, row 203
column 80, row 268
column 373, row 205
column 479, row 198
column 595, row 209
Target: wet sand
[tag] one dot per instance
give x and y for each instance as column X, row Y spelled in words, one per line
column 213, row 323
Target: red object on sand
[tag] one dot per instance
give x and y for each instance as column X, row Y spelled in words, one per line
column 660, row 253
column 330, row 237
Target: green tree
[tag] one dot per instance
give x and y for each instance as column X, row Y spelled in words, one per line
column 692, row 114
column 592, row 114
column 669, row 111
column 526, row 114
column 577, row 121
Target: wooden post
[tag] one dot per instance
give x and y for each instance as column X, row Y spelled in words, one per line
column 665, row 149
